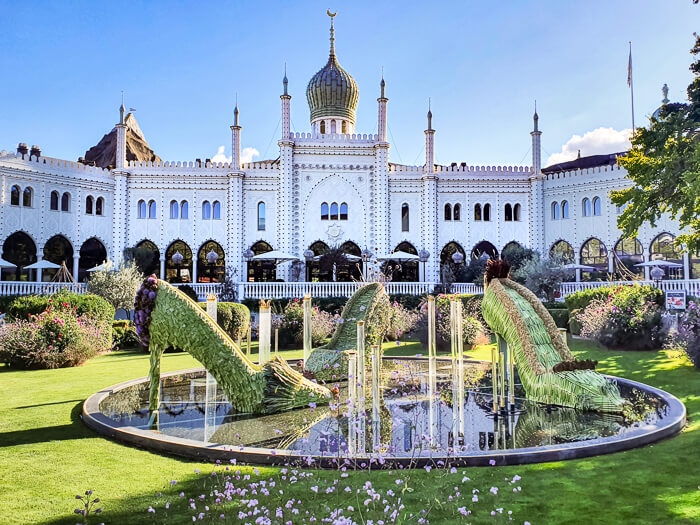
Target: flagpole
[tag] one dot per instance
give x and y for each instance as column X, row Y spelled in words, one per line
column 631, row 84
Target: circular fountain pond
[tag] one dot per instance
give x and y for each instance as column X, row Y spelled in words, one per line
column 405, row 426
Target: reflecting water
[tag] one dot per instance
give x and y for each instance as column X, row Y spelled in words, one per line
column 408, row 416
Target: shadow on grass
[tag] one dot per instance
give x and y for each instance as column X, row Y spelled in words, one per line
column 49, row 404
column 75, row 430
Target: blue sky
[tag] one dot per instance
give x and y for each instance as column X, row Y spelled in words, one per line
column 482, row 64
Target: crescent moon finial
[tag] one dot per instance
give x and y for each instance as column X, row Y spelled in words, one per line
column 331, row 14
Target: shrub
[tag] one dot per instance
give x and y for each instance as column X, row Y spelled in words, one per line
column 629, row 317
column 291, row 324
column 688, row 335
column 472, row 328
column 124, row 335
column 332, row 305
column 560, row 316
column 579, row 300
column 57, row 337
column 401, row 321
column 541, row 276
column 233, row 318
column 85, row 304
column 118, row 287
column 408, row 301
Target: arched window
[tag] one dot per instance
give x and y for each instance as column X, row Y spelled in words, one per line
column 92, row 253
column 508, row 212
column 65, row 202
column 564, row 209
column 594, row 253
column 404, row 217
column 14, row 196
column 147, row 258
column 484, row 247
column 457, row 212
column 184, row 210
column 586, row 207
column 20, row 250
column 324, row 211
column 334, row 211
column 206, row 210
column 211, row 268
column 27, row 197
column 261, row 270
column 54, row 201
column 487, row 212
column 597, row 207
column 152, row 210
column 88, row 204
column 216, row 210
column 99, row 206
column 405, row 271
column 142, row 209
column 562, row 251
column 174, row 209
column 448, row 212
column 516, row 212
column 477, row 212
column 344, row 211
column 261, row 216
column 664, row 248
column 628, row 253
column 178, row 269
column 555, row 211
column 333, row 126
column 57, row 250
column 345, row 127
column 323, row 127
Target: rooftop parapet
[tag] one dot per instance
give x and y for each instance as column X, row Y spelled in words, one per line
column 586, row 171
column 54, row 163
column 335, row 137
column 400, row 168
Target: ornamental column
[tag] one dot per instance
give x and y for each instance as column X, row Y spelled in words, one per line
column 235, row 142
column 429, row 236
column 536, row 211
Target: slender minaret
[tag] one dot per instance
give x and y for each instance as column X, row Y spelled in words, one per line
column 235, row 141
column 381, row 124
column 286, row 98
column 429, row 144
column 536, row 145
column 120, row 160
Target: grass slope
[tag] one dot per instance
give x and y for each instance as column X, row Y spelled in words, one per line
column 48, row 455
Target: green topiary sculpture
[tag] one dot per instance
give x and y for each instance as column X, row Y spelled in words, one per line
column 166, row 317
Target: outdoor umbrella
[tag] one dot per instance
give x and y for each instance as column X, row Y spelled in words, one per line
column 348, row 256
column 6, row 264
column 107, row 265
column 660, row 263
column 399, row 256
column 582, row 267
column 276, row 256
column 43, row 264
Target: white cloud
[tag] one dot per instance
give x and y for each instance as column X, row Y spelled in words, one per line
column 247, row 155
column 596, row 142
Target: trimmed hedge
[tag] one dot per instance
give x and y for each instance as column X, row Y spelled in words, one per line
column 233, row 318
column 560, row 316
column 579, row 300
column 92, row 305
column 124, row 334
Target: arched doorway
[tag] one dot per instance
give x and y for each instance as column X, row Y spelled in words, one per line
column 147, row 258
column 563, row 252
column 405, row 271
column 19, row 249
column 57, row 250
column 261, row 271
column 484, row 247
column 313, row 266
column 92, row 253
column 663, row 248
column 178, row 263
column 627, row 253
column 595, row 254
column 447, row 263
column 211, row 266
column 352, row 269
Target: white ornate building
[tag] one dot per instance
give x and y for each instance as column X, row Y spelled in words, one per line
column 329, row 187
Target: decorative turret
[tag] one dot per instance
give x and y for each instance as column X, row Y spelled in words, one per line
column 429, row 144
column 381, row 123
column 332, row 95
column 286, row 98
column 120, row 156
column 536, row 144
column 235, row 141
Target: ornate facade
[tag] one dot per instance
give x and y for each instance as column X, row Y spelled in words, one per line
column 329, row 187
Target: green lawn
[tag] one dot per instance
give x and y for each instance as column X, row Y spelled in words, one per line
column 47, row 456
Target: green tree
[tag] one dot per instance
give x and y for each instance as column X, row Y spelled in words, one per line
column 117, row 286
column 664, row 167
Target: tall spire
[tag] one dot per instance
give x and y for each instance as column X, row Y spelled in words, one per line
column 535, row 117
column 382, row 84
column 430, row 116
column 285, row 81
column 235, row 112
column 122, row 110
column 332, row 15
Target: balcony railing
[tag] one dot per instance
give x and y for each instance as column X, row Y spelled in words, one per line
column 280, row 290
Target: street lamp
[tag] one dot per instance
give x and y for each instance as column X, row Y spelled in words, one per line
column 423, row 257
column 308, row 256
column 177, row 259
column 212, row 257
column 657, row 275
